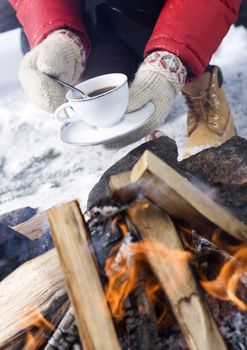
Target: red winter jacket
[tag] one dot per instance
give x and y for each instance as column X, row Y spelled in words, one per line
column 191, row 29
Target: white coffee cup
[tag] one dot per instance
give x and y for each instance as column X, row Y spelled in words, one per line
column 103, row 110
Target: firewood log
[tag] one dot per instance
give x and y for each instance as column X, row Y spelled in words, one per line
column 86, row 294
column 36, row 285
column 34, row 227
column 160, row 183
column 175, row 276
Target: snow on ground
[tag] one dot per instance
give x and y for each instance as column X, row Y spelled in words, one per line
column 38, row 170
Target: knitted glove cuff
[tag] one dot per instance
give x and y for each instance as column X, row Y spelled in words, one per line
column 77, row 41
column 168, row 65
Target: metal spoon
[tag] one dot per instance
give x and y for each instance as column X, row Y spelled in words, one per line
column 84, row 96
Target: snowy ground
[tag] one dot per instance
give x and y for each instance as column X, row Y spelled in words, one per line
column 38, row 170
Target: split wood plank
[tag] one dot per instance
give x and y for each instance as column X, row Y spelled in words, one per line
column 36, row 285
column 176, row 278
column 34, row 227
column 176, row 195
column 162, row 196
column 119, row 181
column 93, row 318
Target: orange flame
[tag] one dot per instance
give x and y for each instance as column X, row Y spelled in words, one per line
column 121, row 284
column 31, row 343
column 225, row 286
column 219, row 240
column 130, row 260
column 120, row 276
column 124, row 229
column 35, row 319
column 123, row 270
column 124, row 267
column 138, row 207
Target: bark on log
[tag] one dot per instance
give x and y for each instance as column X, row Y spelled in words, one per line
column 37, row 284
column 177, row 281
column 92, row 315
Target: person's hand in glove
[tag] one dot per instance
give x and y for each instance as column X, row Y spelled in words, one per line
column 158, row 80
column 61, row 55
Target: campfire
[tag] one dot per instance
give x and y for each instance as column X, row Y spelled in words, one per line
column 160, row 266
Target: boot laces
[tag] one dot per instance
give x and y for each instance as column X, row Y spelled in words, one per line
column 201, row 108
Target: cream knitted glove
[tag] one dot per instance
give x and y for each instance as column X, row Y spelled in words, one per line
column 61, row 54
column 159, row 79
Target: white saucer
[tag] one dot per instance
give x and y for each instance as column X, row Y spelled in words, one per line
column 82, row 134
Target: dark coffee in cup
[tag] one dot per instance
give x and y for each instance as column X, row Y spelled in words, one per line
column 101, row 91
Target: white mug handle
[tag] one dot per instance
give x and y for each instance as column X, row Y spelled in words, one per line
column 62, row 114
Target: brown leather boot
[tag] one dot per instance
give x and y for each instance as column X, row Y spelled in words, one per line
column 210, row 122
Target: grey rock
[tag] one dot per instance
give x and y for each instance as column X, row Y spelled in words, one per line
column 16, row 249
column 17, row 216
column 164, row 147
column 221, row 172
column 224, row 169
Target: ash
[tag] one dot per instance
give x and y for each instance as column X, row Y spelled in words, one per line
column 231, row 322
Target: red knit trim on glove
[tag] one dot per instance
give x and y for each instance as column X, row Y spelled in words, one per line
column 193, row 30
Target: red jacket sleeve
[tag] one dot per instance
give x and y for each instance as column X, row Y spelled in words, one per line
column 40, row 17
column 193, row 30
